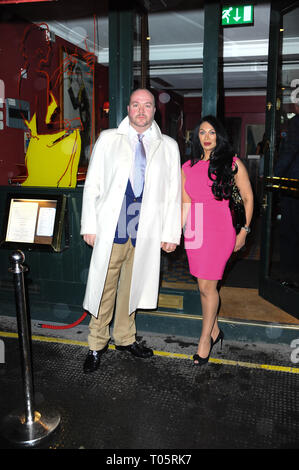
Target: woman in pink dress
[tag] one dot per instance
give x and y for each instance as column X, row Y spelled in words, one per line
column 210, row 237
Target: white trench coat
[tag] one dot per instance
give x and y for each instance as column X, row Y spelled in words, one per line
column 160, row 216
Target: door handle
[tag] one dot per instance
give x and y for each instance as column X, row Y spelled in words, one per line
column 265, row 202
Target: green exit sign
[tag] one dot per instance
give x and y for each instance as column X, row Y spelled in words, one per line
column 237, row 15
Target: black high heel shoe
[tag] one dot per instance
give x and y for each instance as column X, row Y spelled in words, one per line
column 202, row 360
column 220, row 338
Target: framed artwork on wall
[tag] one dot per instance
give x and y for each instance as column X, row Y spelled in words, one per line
column 77, row 92
column 188, row 144
column 233, row 126
column 254, row 135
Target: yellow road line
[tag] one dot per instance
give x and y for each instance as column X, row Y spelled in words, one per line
column 46, row 339
column 250, row 365
column 291, row 370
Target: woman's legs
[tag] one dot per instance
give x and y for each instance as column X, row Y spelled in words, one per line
column 209, row 302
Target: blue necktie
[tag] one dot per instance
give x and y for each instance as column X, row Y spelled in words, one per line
column 140, row 164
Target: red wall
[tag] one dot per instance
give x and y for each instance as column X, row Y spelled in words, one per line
column 250, row 108
column 12, row 60
column 11, row 140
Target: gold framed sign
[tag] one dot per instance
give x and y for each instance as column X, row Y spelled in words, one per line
column 34, row 221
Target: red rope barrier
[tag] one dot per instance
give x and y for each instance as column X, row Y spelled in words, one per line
column 64, row 327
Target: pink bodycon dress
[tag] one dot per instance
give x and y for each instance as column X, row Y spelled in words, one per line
column 209, row 233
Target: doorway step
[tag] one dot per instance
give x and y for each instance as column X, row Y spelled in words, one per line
column 243, row 314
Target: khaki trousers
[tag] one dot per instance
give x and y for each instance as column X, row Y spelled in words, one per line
column 117, row 285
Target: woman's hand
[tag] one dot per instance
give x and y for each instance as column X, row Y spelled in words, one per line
column 240, row 240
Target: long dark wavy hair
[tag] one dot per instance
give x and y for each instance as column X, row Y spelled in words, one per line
column 221, row 168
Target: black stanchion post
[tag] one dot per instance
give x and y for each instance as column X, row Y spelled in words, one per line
column 30, row 426
column 17, row 258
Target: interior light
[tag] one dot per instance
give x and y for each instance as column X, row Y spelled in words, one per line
column 106, row 108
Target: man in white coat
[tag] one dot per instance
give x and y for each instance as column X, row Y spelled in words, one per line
column 127, row 226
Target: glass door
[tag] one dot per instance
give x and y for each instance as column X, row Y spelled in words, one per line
column 279, row 267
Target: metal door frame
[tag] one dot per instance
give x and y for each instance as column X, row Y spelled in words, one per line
column 272, row 290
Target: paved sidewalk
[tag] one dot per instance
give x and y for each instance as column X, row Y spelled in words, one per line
column 245, row 397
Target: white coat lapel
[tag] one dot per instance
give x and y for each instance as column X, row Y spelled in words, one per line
column 125, row 154
column 156, row 141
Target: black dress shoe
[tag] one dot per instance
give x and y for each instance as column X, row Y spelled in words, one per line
column 92, row 360
column 137, row 350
